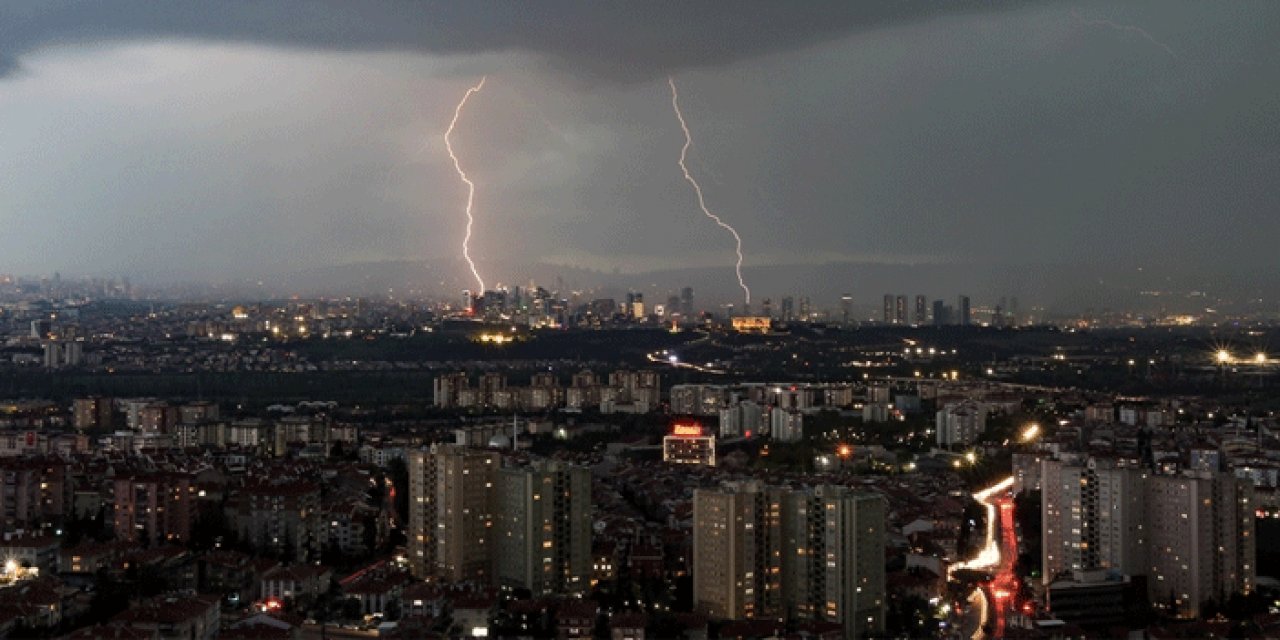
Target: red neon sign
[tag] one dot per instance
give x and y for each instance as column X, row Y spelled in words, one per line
column 687, row 430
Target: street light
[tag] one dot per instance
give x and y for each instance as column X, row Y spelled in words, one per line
column 1223, row 356
column 1031, row 432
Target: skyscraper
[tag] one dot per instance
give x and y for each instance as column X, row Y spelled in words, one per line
column 922, row 310
column 888, row 308
column 788, row 309
column 962, row 309
column 900, row 310
column 686, row 302
column 543, row 528
column 846, row 309
column 941, row 316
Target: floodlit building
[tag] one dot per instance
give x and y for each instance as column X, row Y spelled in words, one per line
column 689, row 444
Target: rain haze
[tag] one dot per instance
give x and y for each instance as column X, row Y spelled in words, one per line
column 855, row 146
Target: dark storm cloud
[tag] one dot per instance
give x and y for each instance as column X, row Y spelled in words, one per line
column 211, row 140
column 621, row 41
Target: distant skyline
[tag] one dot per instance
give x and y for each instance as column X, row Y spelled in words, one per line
column 193, row 142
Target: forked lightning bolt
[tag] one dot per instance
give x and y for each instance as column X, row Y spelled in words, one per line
column 471, row 187
column 684, row 154
column 1127, row 28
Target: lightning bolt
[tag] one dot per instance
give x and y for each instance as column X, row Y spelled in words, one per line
column 697, row 189
column 471, row 187
column 1127, row 28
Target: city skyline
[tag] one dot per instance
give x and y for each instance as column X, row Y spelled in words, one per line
column 161, row 145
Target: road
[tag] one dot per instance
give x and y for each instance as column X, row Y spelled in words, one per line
column 997, row 555
column 1004, row 588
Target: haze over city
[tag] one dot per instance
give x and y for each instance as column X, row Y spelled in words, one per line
column 855, row 147
column 630, row 320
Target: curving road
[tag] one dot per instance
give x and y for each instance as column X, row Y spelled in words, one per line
column 996, row 555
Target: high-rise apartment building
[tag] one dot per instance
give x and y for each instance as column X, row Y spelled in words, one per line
column 1191, row 534
column 922, row 310
column 542, row 524
column 786, row 425
column 737, row 551
column 963, row 311
column 1093, row 516
column 152, row 508
column 960, row 423
column 846, row 309
column 94, row 412
column 446, row 388
column 900, row 310
column 776, row 553
column 281, row 516
column 450, row 512
column 833, row 570
column 1202, row 544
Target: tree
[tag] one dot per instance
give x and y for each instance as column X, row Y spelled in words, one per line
column 392, row 610
column 352, row 609
column 398, row 471
column 1027, row 512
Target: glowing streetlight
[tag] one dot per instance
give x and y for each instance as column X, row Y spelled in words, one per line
column 1260, row 358
column 971, row 457
column 1030, row 432
column 1223, row 356
column 10, row 567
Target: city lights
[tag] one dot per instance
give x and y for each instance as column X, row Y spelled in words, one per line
column 1031, row 432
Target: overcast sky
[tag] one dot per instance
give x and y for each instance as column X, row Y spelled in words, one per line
column 192, row 139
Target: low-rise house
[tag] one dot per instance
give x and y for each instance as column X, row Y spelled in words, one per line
column 297, row 581
column 176, row 617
